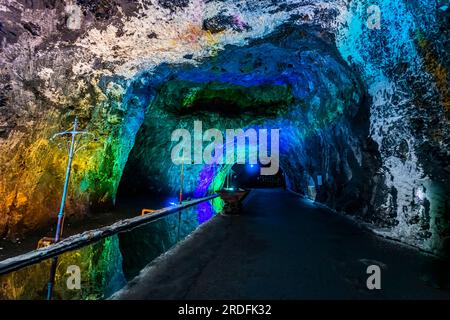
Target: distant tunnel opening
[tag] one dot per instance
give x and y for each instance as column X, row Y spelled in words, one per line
column 249, row 176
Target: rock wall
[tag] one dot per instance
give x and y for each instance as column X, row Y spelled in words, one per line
column 404, row 63
column 365, row 108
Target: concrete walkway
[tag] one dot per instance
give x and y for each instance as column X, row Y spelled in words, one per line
column 284, row 247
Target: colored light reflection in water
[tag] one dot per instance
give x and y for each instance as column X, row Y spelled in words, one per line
column 205, row 179
column 218, row 204
column 211, row 179
column 205, row 212
column 107, row 265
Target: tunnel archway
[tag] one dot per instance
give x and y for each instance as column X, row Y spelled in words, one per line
column 316, row 100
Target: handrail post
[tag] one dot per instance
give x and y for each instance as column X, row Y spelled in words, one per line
column 60, row 221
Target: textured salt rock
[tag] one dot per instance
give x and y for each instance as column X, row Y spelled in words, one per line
column 392, row 155
column 106, row 49
column 395, row 76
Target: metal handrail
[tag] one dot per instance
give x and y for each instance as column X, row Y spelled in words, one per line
column 80, row 240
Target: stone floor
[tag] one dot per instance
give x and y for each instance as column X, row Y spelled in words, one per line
column 285, row 247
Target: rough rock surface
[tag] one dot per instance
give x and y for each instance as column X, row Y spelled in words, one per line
column 365, row 108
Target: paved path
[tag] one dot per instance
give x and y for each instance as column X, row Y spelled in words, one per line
column 284, row 247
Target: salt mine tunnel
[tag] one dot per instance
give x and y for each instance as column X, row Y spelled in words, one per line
column 356, row 91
